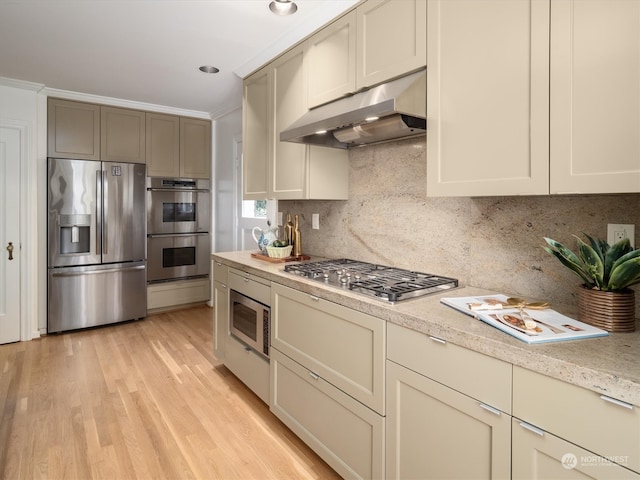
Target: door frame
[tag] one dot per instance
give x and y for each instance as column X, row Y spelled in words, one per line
column 27, row 253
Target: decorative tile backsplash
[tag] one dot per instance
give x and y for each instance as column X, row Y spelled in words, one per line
column 490, row 242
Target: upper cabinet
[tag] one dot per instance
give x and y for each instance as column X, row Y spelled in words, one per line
column 178, row 147
column 378, row 41
column 73, row 129
column 331, row 59
column 392, row 39
column 163, row 145
column 487, row 97
column 170, row 145
column 595, row 96
column 195, row 148
column 122, row 137
column 274, row 97
column 526, row 97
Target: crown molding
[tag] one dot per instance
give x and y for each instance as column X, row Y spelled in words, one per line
column 22, row 84
column 118, row 102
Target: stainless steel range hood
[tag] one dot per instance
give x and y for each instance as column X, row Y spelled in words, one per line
column 389, row 111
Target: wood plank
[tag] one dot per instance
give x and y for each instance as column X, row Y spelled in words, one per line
column 144, row 399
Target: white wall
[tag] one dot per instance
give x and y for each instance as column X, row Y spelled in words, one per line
column 227, row 134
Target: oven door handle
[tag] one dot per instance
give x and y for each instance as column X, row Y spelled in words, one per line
column 177, row 190
column 169, row 235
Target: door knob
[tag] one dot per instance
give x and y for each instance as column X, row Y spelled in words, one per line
column 10, row 250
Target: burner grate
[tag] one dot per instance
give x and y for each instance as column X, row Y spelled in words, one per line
column 379, row 281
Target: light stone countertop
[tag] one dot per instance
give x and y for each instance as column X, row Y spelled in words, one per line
column 607, row 365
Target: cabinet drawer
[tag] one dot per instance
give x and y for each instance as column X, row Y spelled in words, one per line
column 251, row 368
column 345, row 433
column 250, row 285
column 341, row 345
column 474, row 374
column 578, row 415
column 220, row 272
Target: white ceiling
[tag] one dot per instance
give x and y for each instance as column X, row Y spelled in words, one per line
column 149, row 51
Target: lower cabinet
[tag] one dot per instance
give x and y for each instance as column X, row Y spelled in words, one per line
column 178, row 294
column 434, row 431
column 250, row 367
column 220, row 318
column 539, row 455
column 342, row 431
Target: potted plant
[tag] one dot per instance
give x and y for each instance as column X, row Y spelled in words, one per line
column 604, row 299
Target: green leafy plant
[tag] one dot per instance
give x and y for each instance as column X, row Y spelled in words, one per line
column 600, row 266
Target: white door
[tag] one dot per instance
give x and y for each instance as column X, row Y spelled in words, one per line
column 9, row 235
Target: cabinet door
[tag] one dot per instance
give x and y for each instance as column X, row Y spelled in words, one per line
column 195, row 148
column 122, row 135
column 538, row 455
column 343, row 346
column 332, row 61
column 345, row 433
column 288, row 161
column 163, row 145
column 436, row 432
column 392, row 39
column 595, row 96
column 73, row 129
column 256, row 135
column 487, row 97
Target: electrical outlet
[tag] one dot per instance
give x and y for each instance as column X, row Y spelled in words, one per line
column 618, row 231
column 315, row 221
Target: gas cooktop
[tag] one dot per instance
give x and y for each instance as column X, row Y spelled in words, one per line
column 378, row 281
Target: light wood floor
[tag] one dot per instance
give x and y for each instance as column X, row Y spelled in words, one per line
column 145, row 399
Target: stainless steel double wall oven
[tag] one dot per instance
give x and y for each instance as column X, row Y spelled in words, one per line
column 178, row 227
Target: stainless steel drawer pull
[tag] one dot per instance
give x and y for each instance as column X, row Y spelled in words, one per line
column 616, row 402
column 314, row 298
column 436, row 339
column 533, row 429
column 247, row 349
column 315, row 376
column 489, row 408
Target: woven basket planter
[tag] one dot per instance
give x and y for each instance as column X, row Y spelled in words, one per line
column 611, row 311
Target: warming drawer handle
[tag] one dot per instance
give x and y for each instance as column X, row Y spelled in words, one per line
column 315, row 376
column 620, row 403
column 490, row 409
column 531, row 428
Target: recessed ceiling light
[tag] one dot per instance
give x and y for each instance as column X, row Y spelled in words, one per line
column 283, row 7
column 209, row 69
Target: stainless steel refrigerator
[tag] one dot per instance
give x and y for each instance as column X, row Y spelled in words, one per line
column 97, row 243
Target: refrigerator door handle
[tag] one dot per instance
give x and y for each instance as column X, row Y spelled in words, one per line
column 97, row 272
column 105, row 213
column 98, row 231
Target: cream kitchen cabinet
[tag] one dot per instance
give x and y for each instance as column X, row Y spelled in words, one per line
column 220, row 308
column 327, row 373
column 539, row 455
column 73, row 129
column 392, row 39
column 331, row 56
column 195, row 148
column 595, row 96
column 178, row 147
column 163, row 145
column 574, row 427
column 527, row 98
column 122, row 135
column 274, row 97
column 487, row 97
column 448, row 410
column 378, row 41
